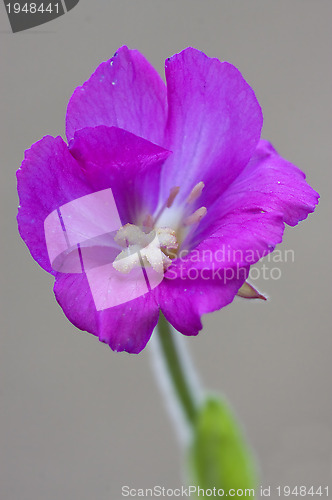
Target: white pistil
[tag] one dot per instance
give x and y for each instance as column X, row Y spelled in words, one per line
column 128, row 259
column 147, row 249
column 195, row 217
column 167, row 238
column 131, row 235
column 195, row 192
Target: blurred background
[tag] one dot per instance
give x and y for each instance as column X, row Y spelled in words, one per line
column 79, row 421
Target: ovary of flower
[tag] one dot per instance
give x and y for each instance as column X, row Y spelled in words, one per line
column 144, row 249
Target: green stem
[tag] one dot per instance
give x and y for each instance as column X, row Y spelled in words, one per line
column 175, row 370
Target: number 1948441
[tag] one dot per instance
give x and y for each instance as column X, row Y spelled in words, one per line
column 32, row 8
column 302, row 491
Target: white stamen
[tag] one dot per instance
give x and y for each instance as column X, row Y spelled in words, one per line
column 195, row 217
column 148, row 222
column 169, row 202
column 172, row 195
column 196, row 192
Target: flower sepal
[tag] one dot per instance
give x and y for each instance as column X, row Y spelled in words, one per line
column 247, row 291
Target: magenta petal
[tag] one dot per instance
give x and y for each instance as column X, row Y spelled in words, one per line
column 275, row 185
column 127, row 327
column 48, row 178
column 129, row 165
column 213, row 126
column 247, row 221
column 74, row 295
column 183, row 300
column 124, row 92
column 241, row 239
column 269, row 186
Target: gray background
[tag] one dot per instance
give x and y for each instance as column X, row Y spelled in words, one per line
column 79, row 421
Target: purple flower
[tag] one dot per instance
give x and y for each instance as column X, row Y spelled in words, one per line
column 183, row 161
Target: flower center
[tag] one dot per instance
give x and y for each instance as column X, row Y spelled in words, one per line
column 157, row 242
column 143, row 249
